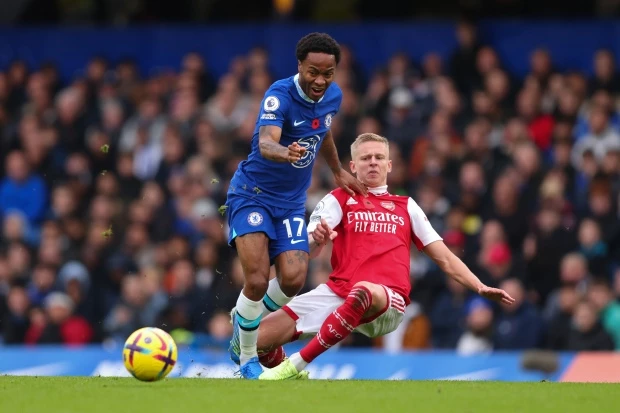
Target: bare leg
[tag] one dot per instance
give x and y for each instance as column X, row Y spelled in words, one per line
column 292, row 267
column 275, row 330
column 253, row 251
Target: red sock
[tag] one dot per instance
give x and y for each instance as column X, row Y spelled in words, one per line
column 273, row 358
column 339, row 324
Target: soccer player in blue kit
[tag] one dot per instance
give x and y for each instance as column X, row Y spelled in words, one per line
column 267, row 194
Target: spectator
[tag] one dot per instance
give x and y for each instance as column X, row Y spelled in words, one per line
column 559, row 327
column 446, row 315
column 548, row 235
column 605, row 75
column 574, row 274
column 587, row 333
column 22, row 190
column 477, row 337
column 463, row 58
column 592, row 246
column 136, row 308
column 599, row 141
column 517, row 326
column 60, row 326
column 42, row 283
column 602, row 298
column 15, row 317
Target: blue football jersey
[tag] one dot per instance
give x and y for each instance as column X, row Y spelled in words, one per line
column 302, row 120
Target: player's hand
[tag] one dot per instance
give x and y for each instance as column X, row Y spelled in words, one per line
column 350, row 183
column 496, row 295
column 323, row 233
column 295, row 152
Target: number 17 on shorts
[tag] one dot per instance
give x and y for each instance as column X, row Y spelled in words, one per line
column 292, row 234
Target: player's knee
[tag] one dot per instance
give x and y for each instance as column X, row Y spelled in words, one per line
column 257, row 282
column 292, row 283
column 379, row 296
column 293, row 278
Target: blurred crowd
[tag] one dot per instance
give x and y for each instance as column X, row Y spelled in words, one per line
column 112, row 184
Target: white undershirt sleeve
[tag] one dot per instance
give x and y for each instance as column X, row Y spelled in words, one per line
column 329, row 209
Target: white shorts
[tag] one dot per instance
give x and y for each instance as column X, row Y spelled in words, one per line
column 311, row 309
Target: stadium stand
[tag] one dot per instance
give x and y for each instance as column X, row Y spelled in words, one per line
column 111, row 183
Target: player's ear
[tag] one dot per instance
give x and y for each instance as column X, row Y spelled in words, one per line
column 389, row 166
column 299, row 66
column 352, row 166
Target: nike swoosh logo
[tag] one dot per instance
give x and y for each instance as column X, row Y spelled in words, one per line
column 297, row 241
column 295, row 123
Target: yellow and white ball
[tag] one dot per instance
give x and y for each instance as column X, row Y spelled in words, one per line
column 150, row 354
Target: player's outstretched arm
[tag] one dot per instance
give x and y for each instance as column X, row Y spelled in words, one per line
column 270, row 147
column 344, row 179
column 455, row 268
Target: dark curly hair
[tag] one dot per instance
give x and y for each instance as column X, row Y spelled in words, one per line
column 317, row 43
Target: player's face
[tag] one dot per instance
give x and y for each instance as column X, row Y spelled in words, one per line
column 316, row 73
column 371, row 163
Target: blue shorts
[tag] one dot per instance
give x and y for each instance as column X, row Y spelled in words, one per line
column 285, row 228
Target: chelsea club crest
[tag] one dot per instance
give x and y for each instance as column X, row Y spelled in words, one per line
column 328, row 120
column 255, row 219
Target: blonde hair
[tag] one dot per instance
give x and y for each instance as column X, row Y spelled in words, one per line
column 368, row 137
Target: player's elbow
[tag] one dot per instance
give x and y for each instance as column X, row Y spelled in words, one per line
column 269, row 149
column 445, row 264
column 442, row 256
column 263, row 147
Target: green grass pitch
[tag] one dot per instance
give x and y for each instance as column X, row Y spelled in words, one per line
column 120, row 395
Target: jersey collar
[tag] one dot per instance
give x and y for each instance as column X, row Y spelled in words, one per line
column 380, row 190
column 301, row 92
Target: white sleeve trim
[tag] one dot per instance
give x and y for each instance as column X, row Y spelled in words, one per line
column 329, row 209
column 420, row 225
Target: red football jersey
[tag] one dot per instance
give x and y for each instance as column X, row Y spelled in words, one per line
column 374, row 238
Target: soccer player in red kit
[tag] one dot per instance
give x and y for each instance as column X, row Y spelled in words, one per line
column 369, row 287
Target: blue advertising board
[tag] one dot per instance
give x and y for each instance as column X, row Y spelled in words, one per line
column 341, row 364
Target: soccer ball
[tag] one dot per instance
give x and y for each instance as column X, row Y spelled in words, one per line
column 149, row 354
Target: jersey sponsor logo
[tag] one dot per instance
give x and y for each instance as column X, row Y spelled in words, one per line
column 255, row 219
column 268, row 116
column 296, row 123
column 351, row 201
column 271, row 104
column 372, row 216
column 328, row 120
column 389, row 205
column 310, row 144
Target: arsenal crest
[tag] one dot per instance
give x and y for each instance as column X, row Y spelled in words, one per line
column 389, row 205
